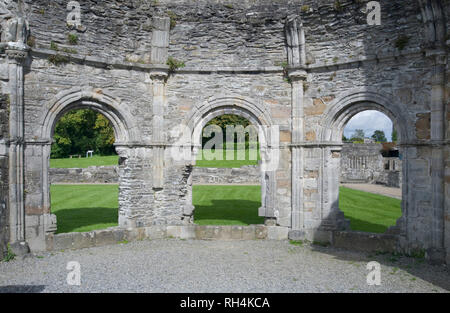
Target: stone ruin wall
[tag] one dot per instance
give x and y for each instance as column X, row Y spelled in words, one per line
column 234, row 52
column 364, row 163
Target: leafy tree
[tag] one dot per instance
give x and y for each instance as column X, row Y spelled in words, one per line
column 81, row 130
column 359, row 135
column 344, row 139
column 228, row 120
column 379, row 136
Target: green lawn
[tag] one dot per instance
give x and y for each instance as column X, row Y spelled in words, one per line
column 84, row 162
column 225, row 163
column 369, row 212
column 113, row 160
column 225, row 205
column 81, row 208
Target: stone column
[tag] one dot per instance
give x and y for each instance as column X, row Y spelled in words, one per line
column 16, row 54
column 160, row 47
column 298, row 77
column 439, row 57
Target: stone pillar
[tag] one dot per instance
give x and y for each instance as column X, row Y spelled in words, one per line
column 298, row 77
column 160, row 47
column 437, row 106
column 16, row 54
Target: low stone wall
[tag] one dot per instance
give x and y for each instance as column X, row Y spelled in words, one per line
column 90, row 175
column 116, row 235
column 364, row 163
column 250, row 175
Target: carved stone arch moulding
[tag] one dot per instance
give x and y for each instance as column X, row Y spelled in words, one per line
column 126, row 131
column 350, row 103
column 229, row 105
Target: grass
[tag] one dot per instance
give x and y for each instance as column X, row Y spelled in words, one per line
column 369, row 212
column 84, row 162
column 82, row 208
column 224, row 163
column 224, row 205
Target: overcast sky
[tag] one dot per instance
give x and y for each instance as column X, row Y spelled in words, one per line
column 369, row 121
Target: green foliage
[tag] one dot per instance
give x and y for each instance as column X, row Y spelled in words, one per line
column 173, row 19
column 296, row 242
column 72, row 39
column 338, row 6
column 9, row 254
column 359, row 135
column 174, row 64
column 54, row 46
column 82, row 130
column 58, row 59
column 379, row 136
column 228, row 120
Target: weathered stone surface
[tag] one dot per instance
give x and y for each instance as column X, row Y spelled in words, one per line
column 234, row 54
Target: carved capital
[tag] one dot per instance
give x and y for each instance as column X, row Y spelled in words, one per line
column 159, row 74
column 16, row 52
column 297, row 74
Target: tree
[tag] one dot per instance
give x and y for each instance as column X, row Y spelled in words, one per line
column 228, row 120
column 358, row 135
column 379, row 136
column 82, row 130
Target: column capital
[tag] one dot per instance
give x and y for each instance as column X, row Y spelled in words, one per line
column 297, row 74
column 160, row 74
column 16, row 52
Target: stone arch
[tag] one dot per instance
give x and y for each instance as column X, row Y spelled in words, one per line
column 229, row 105
column 126, row 131
column 342, row 109
column 258, row 116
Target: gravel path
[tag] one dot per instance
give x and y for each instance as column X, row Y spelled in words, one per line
column 218, row 266
column 377, row 189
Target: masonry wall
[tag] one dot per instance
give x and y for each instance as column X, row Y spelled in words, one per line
column 234, row 49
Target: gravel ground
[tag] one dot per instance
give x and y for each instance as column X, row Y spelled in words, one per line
column 219, row 266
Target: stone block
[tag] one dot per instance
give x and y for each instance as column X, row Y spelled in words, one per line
column 261, row 232
column 104, row 238
column 277, row 233
column 63, row 241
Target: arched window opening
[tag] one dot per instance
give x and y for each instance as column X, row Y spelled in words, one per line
column 227, row 176
column 83, row 172
column 371, row 172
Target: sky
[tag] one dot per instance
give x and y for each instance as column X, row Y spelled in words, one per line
column 369, row 121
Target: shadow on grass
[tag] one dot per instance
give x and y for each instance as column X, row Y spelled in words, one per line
column 366, row 226
column 86, row 219
column 228, row 212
